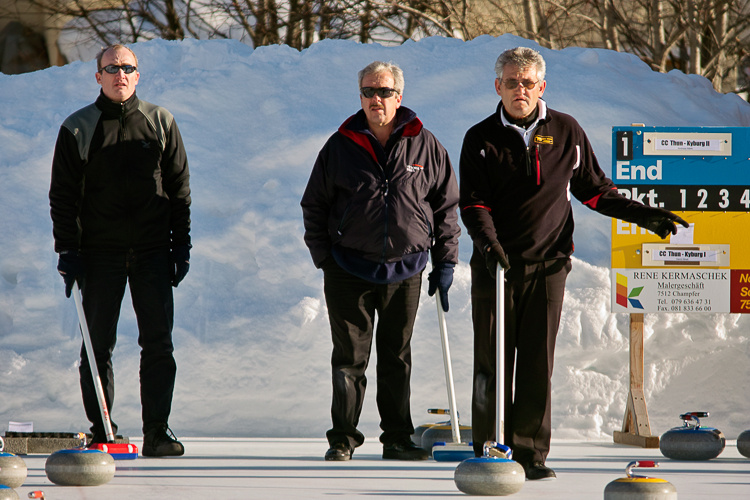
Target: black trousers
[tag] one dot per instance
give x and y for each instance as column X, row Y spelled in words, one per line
column 103, row 289
column 533, row 305
column 352, row 304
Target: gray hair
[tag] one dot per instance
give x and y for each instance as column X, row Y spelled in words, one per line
column 524, row 58
column 115, row 46
column 384, row 67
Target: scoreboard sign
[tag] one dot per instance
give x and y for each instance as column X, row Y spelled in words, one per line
column 703, row 175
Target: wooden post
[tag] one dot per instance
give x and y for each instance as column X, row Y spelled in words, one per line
column 636, row 429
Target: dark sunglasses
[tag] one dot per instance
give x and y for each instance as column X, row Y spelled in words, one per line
column 112, row 69
column 383, row 92
column 511, row 84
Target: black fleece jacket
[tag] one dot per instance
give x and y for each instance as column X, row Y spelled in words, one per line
column 120, row 179
column 519, row 196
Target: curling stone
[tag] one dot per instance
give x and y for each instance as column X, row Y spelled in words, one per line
column 443, row 433
column 490, row 475
column 743, row 444
column 416, row 438
column 7, row 493
column 12, row 468
column 640, row 487
column 691, row 441
column 80, row 467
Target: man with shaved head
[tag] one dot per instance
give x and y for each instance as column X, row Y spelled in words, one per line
column 120, row 206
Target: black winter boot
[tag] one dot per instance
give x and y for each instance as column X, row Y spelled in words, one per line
column 157, row 443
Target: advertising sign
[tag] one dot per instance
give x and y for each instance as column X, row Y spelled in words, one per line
column 703, row 175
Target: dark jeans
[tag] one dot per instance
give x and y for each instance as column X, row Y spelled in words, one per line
column 533, row 305
column 103, row 289
column 352, row 303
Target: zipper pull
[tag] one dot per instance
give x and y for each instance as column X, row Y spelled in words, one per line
column 528, row 161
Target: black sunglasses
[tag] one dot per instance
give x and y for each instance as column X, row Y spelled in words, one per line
column 112, row 69
column 383, row 92
column 511, row 84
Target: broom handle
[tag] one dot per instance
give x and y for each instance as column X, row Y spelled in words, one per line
column 500, row 354
column 92, row 364
column 448, row 371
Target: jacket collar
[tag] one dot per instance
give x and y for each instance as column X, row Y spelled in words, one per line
column 355, row 127
column 116, row 108
column 542, row 118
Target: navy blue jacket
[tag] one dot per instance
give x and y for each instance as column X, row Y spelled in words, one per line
column 382, row 211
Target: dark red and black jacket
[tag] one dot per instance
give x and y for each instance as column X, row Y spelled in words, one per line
column 519, row 196
column 382, row 210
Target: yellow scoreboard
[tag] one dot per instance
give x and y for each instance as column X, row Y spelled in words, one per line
column 703, row 175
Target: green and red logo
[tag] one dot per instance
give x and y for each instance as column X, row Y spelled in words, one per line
column 622, row 297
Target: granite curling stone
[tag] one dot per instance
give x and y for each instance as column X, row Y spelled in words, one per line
column 80, row 467
column 691, row 441
column 12, row 468
column 7, row 493
column 640, row 487
column 743, row 444
column 416, row 438
column 489, row 475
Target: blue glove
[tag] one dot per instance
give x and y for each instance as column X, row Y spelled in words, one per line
column 179, row 258
column 70, row 267
column 441, row 278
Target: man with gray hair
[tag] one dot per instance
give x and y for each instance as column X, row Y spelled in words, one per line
column 382, row 195
column 518, row 168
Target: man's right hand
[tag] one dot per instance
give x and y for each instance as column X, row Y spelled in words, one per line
column 70, row 267
column 494, row 255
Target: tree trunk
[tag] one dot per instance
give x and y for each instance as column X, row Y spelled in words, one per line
column 720, row 30
column 693, row 39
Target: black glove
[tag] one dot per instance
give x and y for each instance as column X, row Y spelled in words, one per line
column 662, row 222
column 179, row 259
column 70, row 267
column 493, row 255
column 441, row 278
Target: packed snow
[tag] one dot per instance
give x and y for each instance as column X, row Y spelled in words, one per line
column 251, row 330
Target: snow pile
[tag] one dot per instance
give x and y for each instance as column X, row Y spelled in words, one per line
column 252, row 336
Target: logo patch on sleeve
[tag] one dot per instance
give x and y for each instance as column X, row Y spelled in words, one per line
column 543, row 139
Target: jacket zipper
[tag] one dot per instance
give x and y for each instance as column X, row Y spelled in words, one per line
column 122, row 138
column 385, row 229
column 529, row 167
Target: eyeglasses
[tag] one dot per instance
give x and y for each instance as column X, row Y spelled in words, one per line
column 112, row 69
column 511, row 84
column 383, row 92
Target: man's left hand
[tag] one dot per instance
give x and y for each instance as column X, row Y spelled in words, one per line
column 440, row 278
column 662, row 222
column 179, row 264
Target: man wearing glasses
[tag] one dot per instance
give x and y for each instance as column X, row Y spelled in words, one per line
column 120, row 206
column 518, row 168
column 381, row 197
